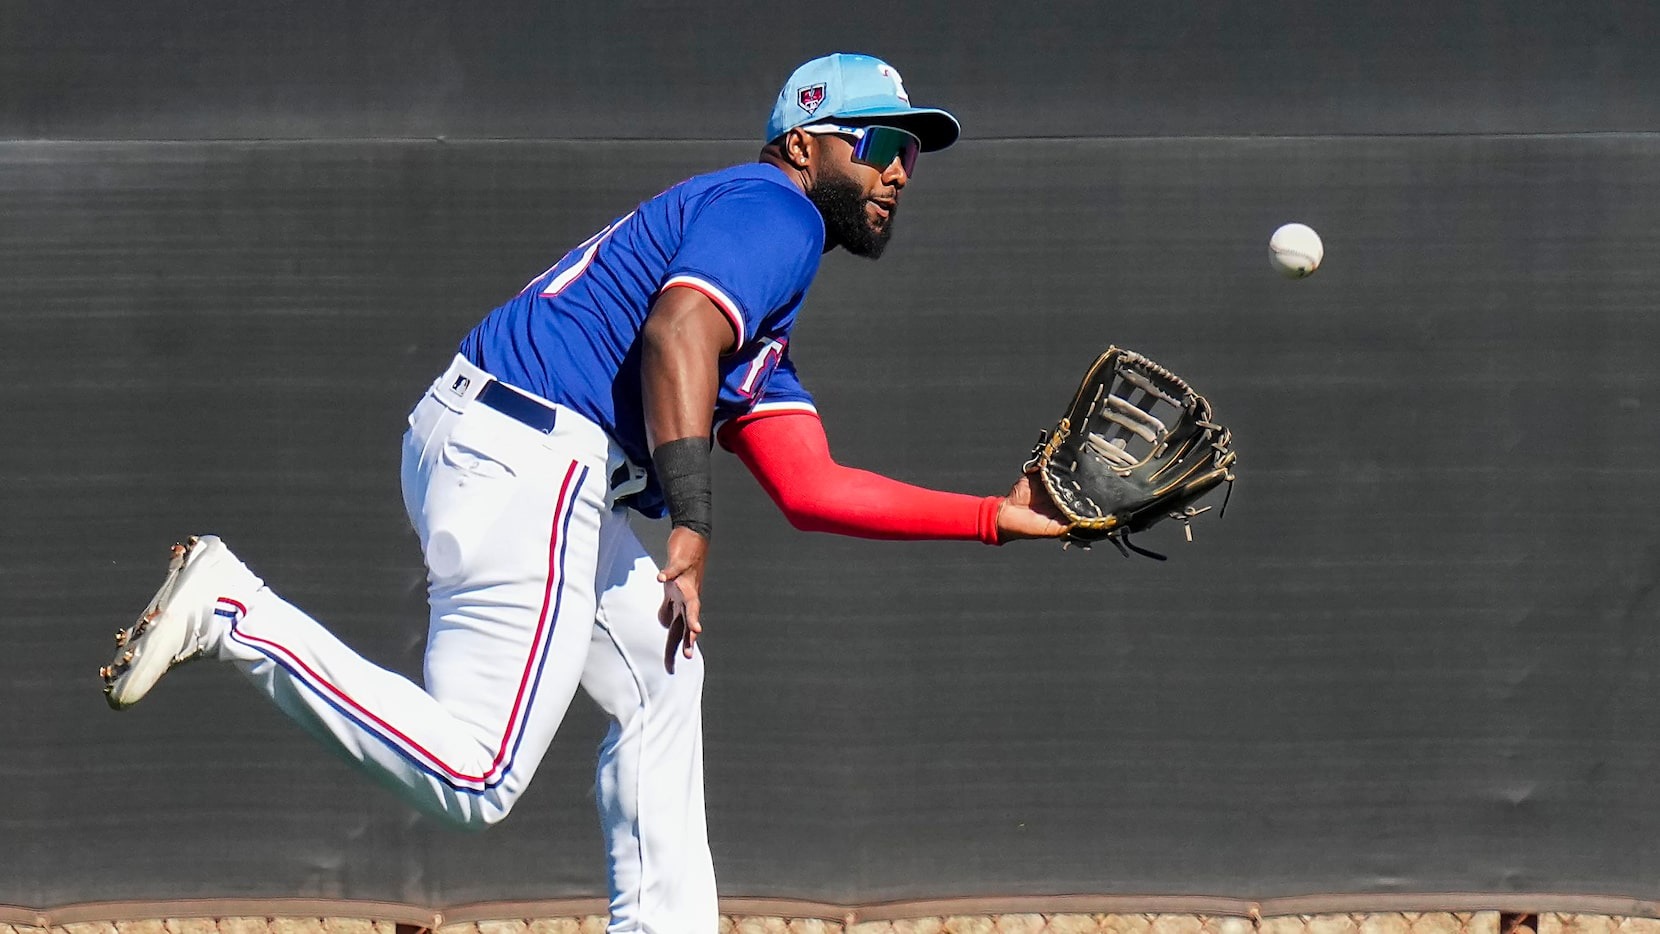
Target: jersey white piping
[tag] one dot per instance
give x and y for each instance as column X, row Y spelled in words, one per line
column 722, row 301
column 772, row 408
column 766, row 408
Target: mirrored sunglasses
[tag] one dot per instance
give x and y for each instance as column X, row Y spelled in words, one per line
column 877, row 146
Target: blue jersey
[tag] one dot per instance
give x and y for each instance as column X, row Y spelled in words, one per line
column 746, row 237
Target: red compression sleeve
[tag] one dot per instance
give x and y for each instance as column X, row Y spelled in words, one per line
column 790, row 456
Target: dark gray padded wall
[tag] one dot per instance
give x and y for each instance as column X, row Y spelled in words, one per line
column 638, row 69
column 1417, row 654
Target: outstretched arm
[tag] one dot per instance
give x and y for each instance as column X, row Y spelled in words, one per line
column 790, row 456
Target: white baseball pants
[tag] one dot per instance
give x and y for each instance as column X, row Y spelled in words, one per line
column 536, row 585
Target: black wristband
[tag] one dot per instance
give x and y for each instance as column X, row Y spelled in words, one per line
column 683, row 472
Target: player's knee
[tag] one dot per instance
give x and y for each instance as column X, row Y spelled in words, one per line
column 474, row 816
column 477, row 821
column 484, row 820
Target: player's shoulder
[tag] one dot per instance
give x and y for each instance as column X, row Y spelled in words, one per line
column 754, row 177
column 760, row 190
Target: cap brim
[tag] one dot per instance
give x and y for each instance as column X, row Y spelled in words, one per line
column 935, row 129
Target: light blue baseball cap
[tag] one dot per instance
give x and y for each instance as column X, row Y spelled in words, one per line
column 861, row 88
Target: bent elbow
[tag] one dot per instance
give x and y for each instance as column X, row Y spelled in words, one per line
column 801, row 522
column 804, row 516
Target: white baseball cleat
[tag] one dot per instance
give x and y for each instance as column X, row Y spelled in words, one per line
column 175, row 627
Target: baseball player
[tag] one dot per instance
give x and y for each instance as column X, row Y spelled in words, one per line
column 597, row 389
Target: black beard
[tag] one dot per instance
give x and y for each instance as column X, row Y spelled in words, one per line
column 841, row 202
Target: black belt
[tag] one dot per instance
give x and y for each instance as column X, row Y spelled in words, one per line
column 521, row 408
column 518, row 406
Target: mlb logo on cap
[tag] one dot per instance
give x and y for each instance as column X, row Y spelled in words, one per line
column 811, row 97
column 859, row 88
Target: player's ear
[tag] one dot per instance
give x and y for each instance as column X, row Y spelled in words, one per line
column 798, row 148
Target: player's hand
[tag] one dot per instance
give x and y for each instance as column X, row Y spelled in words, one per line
column 682, row 577
column 1028, row 513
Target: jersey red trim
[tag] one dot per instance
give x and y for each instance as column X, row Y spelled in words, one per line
column 709, row 290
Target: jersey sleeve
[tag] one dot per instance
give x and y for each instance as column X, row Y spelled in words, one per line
column 777, row 390
column 753, row 250
column 783, row 393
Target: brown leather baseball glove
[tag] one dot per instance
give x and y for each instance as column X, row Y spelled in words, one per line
column 1136, row 446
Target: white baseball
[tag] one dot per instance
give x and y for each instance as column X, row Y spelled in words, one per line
column 1295, row 251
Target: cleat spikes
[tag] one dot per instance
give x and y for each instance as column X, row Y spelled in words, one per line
column 181, row 550
column 176, row 624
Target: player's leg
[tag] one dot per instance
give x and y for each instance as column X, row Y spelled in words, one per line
column 509, row 521
column 650, row 775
